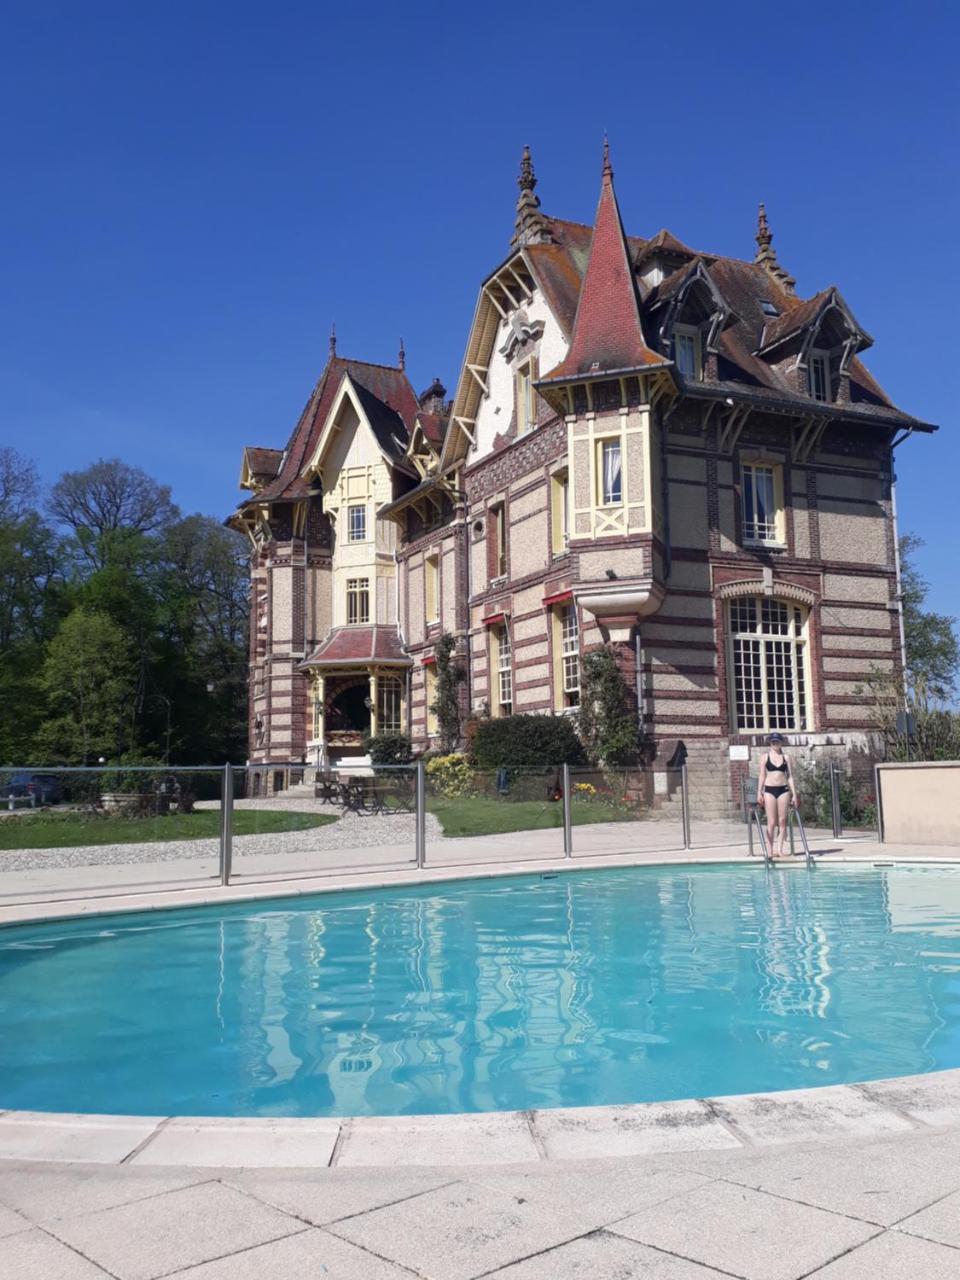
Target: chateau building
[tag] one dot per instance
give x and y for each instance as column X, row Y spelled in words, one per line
column 660, row 449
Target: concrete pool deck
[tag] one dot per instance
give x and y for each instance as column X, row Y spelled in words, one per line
column 842, row 1182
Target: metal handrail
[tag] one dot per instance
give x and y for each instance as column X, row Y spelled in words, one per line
column 767, row 859
column 794, row 817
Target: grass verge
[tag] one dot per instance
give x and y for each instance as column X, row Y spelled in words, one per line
column 480, row 816
column 55, row 830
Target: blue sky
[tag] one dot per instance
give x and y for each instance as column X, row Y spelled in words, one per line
column 193, row 191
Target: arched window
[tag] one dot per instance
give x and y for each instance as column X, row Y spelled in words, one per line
column 768, row 664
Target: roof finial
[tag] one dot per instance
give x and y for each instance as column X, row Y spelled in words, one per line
column 607, row 166
column 333, row 337
column 767, row 255
column 402, row 358
column 531, row 225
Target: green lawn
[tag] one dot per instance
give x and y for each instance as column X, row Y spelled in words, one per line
column 480, row 816
column 56, row 830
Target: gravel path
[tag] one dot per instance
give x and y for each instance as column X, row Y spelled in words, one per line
column 350, row 831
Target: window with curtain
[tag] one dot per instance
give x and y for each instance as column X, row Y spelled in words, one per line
column 611, row 474
column 768, row 651
column 686, row 344
column 761, row 507
column 358, row 601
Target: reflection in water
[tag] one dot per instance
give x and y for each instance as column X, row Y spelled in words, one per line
column 595, row 987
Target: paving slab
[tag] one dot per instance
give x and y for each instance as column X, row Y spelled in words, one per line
column 581, row 1132
column 794, row 1115
column 33, row 1255
column 602, row 1256
column 11, row 1222
column 459, row 1232
column 329, row 1195
column 894, row 1257
column 170, row 1232
column 311, row 1253
column 501, row 1137
column 930, row 1099
column 891, row 1178
column 600, row 1193
column 209, row 1142
column 37, row 1135
column 44, row 1194
column 939, row 1222
column 745, row 1232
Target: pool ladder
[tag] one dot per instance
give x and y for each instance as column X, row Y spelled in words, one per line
column 793, row 820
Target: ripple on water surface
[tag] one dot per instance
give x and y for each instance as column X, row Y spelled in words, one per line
column 592, row 987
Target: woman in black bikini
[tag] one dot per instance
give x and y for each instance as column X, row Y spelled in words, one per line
column 776, row 792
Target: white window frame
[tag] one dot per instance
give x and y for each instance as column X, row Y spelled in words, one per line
column 431, row 587
column 357, row 528
column 526, row 405
column 605, row 495
column 757, row 532
column 358, row 602
column 691, row 333
column 504, row 670
column 389, row 705
column 819, row 361
column 769, row 661
column 569, row 626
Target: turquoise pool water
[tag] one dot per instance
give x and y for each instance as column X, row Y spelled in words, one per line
column 590, row 987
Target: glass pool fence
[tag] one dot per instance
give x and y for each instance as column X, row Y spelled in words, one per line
column 109, row 830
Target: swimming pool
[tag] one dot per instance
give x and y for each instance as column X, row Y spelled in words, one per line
column 603, row 986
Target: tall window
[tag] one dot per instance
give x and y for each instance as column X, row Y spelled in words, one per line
column 687, row 351
column 570, row 655
column 430, row 692
column 761, row 502
column 431, row 588
column 358, row 601
column 526, row 375
column 388, row 705
column 504, row 672
column 317, row 712
column 498, row 517
column 818, row 374
column 357, row 523
column 611, row 474
column 560, row 511
column 768, row 642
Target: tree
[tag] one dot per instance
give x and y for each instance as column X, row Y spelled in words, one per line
column 606, row 719
column 110, row 507
column 89, row 681
column 19, row 484
column 450, row 676
column 933, row 653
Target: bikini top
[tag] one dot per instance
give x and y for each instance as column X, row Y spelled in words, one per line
column 778, row 768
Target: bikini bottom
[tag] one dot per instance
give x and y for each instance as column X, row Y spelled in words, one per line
column 776, row 791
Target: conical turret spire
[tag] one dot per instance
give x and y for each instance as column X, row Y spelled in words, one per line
column 607, row 333
column 531, row 225
column 766, row 254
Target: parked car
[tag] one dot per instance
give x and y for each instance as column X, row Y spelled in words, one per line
column 44, row 787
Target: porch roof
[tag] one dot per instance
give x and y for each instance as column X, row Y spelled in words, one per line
column 360, row 647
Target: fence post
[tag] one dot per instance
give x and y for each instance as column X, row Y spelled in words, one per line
column 567, row 813
column 226, row 825
column 835, row 800
column 878, row 800
column 685, row 805
column 421, row 827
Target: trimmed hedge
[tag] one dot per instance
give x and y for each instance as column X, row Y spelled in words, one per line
column 515, row 741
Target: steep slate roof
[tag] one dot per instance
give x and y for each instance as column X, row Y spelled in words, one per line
column 607, row 332
column 561, row 266
column 359, row 644
column 388, row 400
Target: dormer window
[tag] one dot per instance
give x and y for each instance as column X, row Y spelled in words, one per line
column 767, row 307
column 687, row 352
column 818, row 375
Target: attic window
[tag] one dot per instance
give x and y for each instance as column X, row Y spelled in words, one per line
column 819, row 375
column 768, row 308
column 687, row 351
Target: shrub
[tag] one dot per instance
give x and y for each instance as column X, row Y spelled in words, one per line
column 516, row 741
column 450, row 775
column 446, row 707
column 607, row 719
column 389, row 748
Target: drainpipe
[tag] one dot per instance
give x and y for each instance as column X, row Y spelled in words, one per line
column 638, row 669
column 896, row 561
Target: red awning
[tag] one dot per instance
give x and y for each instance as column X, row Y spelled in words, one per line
column 494, row 619
column 561, row 597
